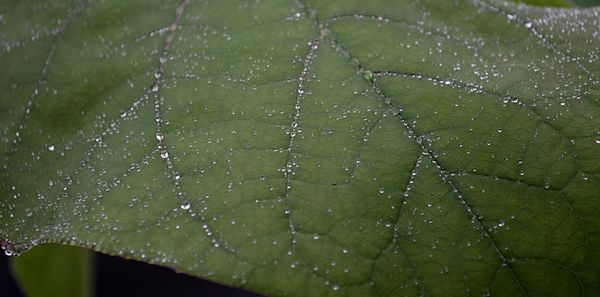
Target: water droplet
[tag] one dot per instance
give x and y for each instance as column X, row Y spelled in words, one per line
column 381, row 190
column 7, row 249
column 164, row 154
column 528, row 24
column 185, row 205
column 368, row 75
column 51, row 148
column 160, row 136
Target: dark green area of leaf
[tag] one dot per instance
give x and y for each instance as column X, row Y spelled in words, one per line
column 560, row 3
column 586, row 3
column 309, row 148
column 555, row 3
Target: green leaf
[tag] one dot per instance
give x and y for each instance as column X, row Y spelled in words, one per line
column 556, row 3
column 586, row 2
column 309, row 148
column 54, row 270
column 560, row 3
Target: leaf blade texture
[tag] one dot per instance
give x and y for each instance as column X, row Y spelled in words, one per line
column 310, row 148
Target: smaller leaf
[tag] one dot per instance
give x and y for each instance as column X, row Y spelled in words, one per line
column 54, row 270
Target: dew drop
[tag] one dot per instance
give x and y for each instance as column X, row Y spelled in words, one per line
column 7, row 249
column 51, row 148
column 160, row 136
column 185, row 205
column 164, row 154
column 528, row 24
column 368, row 75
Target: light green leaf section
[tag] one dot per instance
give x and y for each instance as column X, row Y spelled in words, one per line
column 309, row 148
column 54, row 271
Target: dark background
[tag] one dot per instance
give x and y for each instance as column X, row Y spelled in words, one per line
column 116, row 277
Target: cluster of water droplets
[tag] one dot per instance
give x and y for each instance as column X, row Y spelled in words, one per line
column 288, row 171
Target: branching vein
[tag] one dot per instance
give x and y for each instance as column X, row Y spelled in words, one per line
column 293, row 131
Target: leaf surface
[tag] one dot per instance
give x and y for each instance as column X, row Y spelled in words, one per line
column 356, row 148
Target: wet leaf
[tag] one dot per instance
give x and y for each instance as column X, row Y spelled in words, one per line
column 560, row 3
column 585, row 3
column 304, row 148
column 555, row 3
